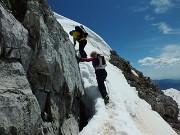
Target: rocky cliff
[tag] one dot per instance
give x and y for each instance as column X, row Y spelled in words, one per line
column 40, row 83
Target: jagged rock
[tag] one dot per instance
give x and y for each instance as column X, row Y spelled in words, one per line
column 20, row 112
column 54, row 67
column 39, row 43
column 51, row 49
column 14, row 39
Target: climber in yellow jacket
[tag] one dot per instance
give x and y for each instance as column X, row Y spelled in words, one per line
column 75, row 35
column 81, row 38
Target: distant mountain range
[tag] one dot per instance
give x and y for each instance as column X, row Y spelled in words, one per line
column 168, row 83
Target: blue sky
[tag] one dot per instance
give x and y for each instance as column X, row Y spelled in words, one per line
column 146, row 33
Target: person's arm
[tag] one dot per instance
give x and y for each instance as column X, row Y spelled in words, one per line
column 74, row 39
column 74, row 35
column 86, row 59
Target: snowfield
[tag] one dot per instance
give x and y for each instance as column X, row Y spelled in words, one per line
column 126, row 114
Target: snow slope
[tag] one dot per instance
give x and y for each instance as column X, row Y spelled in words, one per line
column 126, row 114
column 175, row 94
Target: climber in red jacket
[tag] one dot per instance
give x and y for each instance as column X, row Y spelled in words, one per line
column 99, row 64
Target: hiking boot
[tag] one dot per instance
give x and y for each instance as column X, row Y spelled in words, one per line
column 106, row 99
column 106, row 102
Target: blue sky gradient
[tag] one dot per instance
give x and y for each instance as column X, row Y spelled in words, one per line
column 146, row 33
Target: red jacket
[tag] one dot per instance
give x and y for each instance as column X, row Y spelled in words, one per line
column 86, row 59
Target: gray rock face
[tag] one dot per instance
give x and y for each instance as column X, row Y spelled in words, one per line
column 19, row 109
column 40, row 80
column 53, row 55
column 14, row 39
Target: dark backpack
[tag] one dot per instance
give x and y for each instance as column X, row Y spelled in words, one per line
column 82, row 31
column 99, row 62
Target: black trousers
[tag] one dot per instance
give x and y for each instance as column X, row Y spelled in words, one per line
column 101, row 75
column 82, row 45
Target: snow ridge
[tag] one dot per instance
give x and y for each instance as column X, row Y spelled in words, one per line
column 126, row 114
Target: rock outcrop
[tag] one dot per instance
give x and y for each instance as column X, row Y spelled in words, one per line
column 20, row 111
column 40, row 83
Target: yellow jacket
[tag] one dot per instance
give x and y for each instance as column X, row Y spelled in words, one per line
column 76, row 35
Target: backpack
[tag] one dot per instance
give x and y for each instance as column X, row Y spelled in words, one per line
column 99, row 62
column 82, row 31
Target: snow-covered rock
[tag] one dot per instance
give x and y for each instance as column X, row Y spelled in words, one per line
column 175, row 94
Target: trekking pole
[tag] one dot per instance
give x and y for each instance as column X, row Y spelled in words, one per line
column 107, row 86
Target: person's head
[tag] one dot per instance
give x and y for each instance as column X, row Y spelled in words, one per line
column 93, row 54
